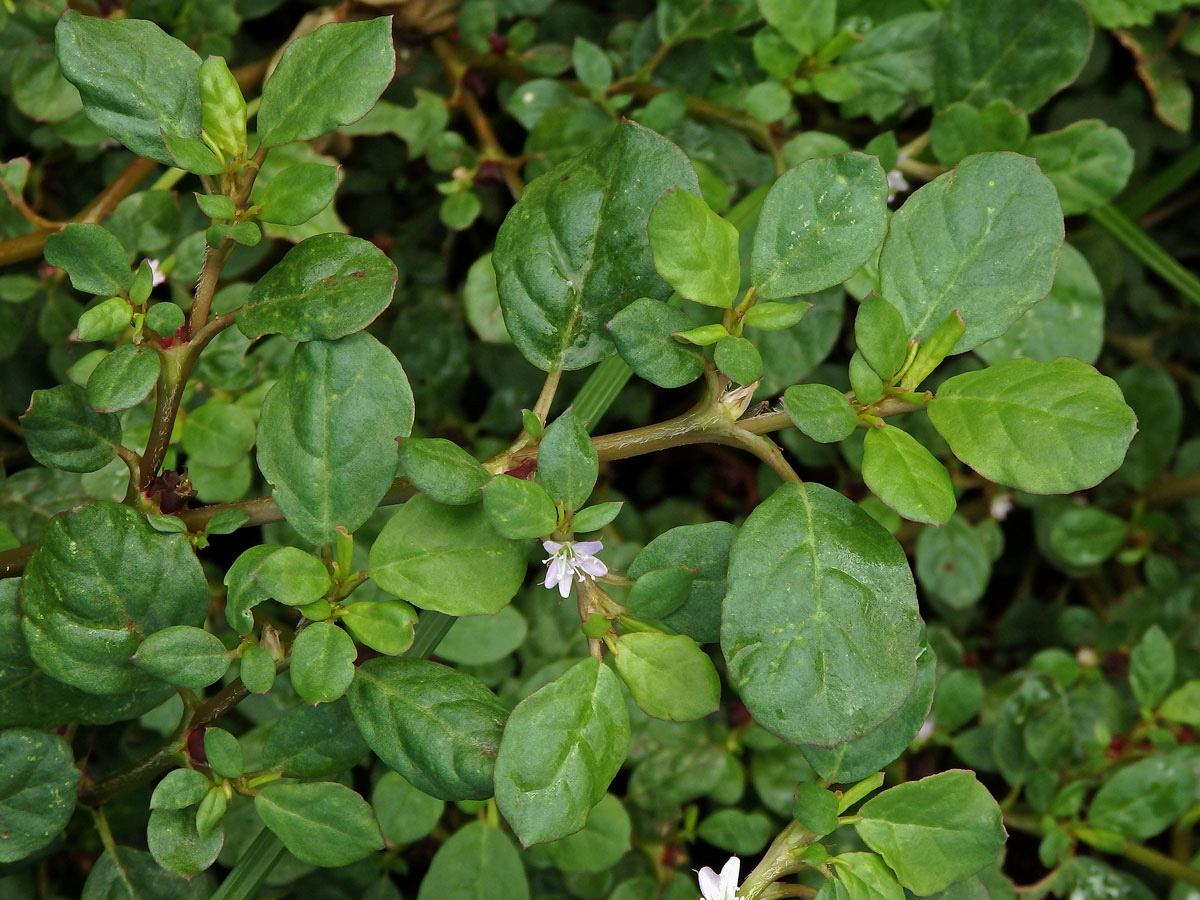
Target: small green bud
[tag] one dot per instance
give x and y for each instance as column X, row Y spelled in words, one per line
column 223, row 108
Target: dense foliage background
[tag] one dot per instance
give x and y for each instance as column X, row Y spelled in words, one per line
column 1065, row 629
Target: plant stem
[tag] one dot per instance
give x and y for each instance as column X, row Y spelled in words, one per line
column 676, row 432
column 1163, row 185
column 29, row 246
column 778, row 861
column 545, row 399
column 1138, row 853
column 175, row 364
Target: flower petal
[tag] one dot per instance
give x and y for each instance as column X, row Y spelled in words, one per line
column 588, row 548
column 551, row 547
column 592, row 566
column 710, row 884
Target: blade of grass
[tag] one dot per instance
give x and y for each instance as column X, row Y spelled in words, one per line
column 1148, row 251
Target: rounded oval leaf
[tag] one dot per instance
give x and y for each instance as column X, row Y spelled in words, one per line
column 322, row 662
column 327, row 434
column 437, row 727
column 562, row 746
column 447, row 558
column 323, row 823
column 820, row 626
column 99, row 581
column 324, row 288
column 38, row 783
column 819, row 223
column 1044, row 427
column 184, row 656
column 669, row 676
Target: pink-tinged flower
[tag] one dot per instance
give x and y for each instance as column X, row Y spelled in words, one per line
column 723, row 886
column 156, row 274
column 572, row 560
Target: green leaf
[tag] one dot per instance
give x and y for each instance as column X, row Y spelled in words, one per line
column 1088, row 162
column 573, row 252
column 329, row 77
column 669, row 676
column 104, row 320
column 405, row 813
column 216, row 206
column 324, row 288
column 866, row 385
column 737, row 831
column 92, row 257
column 561, row 748
column 953, row 564
column 183, row 656
column 1143, row 799
column 446, row 558
column 438, row 727
column 593, row 518
column 1155, row 400
column 820, row 627
column 176, row 845
column 62, row 430
column 863, row 877
column 739, row 359
column 982, row 239
column 385, row 626
column 519, row 509
column 1047, row 428
column 123, row 379
column 592, row 65
column 136, row 81
column 327, row 433
column 287, row 574
column 961, row 129
column 659, row 592
column 819, row 223
column 772, row 316
column 805, row 24
column 816, row 808
column 695, row 250
column 180, row 788
column 217, row 433
column 127, row 874
column 193, row 155
column 702, row 335
column 1069, row 322
column 443, row 470
column 222, row 107
column 1080, row 536
column 599, row 845
column 322, row 662
column 298, row 193
column 880, row 334
column 567, row 464
column 935, row 831
column 257, row 669
column 224, row 752
column 314, row 741
column 99, row 581
column 477, row 861
column 901, row 472
column 705, row 550
column 854, row 760
column 38, row 783
column 820, row 411
column 1183, row 704
column 1025, row 51
column 322, row 823
column 893, row 66
column 480, row 640
column 1152, row 667
column 164, row 318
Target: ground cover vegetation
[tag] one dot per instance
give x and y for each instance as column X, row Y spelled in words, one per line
column 532, row 449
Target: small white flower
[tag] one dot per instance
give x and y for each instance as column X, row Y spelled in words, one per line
column 723, row 886
column 572, row 560
column 156, row 275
